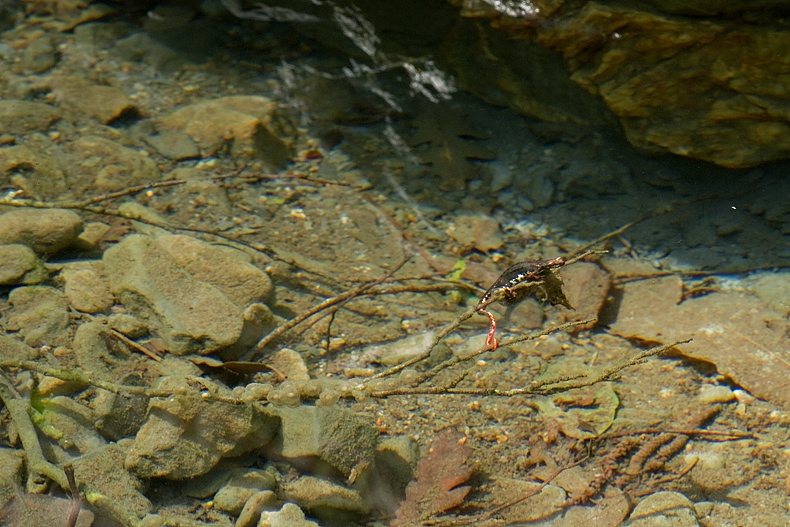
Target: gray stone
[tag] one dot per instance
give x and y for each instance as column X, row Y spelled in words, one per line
column 229, row 270
column 246, row 122
column 383, row 484
column 40, row 55
column 91, row 236
column 289, row 516
column 208, row 484
column 663, row 509
column 20, row 117
column 252, row 510
column 46, row 231
column 20, row 265
column 173, row 144
column 103, row 103
column 12, row 349
column 321, row 497
column 241, row 487
column 258, row 321
column 40, row 314
column 33, row 171
column 87, row 291
column 118, row 416
column 185, row 435
column 140, row 47
column 326, row 438
column 114, row 167
column 130, row 326
column 773, row 288
column 189, row 315
column 72, row 424
column 101, row 471
column 91, row 351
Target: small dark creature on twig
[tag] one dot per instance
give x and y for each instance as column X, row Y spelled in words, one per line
column 536, row 278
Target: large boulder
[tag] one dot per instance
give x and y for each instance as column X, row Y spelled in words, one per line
column 711, row 89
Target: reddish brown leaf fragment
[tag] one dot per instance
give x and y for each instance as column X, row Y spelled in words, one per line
column 436, row 487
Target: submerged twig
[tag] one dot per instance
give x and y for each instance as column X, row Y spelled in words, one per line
column 18, row 409
column 76, row 498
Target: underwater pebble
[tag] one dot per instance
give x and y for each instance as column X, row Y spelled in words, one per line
column 141, row 47
column 773, row 288
column 338, row 437
column 317, row 494
column 130, row 326
column 289, row 516
column 40, row 314
column 291, row 364
column 91, row 235
column 20, row 265
column 480, row 232
column 205, row 486
column 103, row 103
column 102, row 471
column 173, row 144
column 114, row 167
column 74, row 423
column 241, row 487
column 229, row 270
column 45, row 231
column 19, row 117
column 715, row 394
column 86, row 291
column 186, row 435
column 118, row 416
column 41, row 178
column 244, row 121
column 91, row 351
column 188, row 314
column 152, row 520
column 252, row 510
column 14, row 349
column 40, row 55
column 662, row 509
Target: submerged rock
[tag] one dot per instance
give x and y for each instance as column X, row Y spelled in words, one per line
column 20, row 265
column 45, row 231
column 103, row 103
column 242, row 486
column 229, row 270
column 101, row 471
column 188, row 314
column 324, row 498
column 325, row 439
column 19, row 117
column 663, row 508
column 40, row 314
column 708, row 89
column 33, row 171
column 186, row 435
column 244, row 123
column 289, row 516
column 113, row 167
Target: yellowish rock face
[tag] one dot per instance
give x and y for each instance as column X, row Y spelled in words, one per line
column 718, row 90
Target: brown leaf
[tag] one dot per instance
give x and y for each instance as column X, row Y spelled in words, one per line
column 436, row 490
